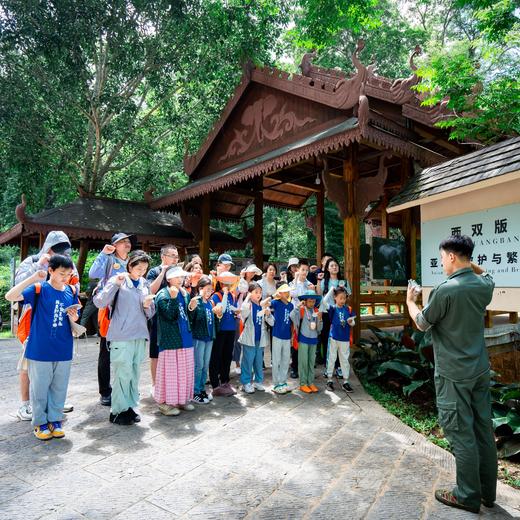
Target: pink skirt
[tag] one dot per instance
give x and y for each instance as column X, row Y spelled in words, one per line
column 175, row 377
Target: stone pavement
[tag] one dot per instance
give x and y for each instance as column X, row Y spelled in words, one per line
column 263, row 456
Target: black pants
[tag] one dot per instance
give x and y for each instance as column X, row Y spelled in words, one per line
column 103, row 368
column 89, row 317
column 294, row 359
column 221, row 354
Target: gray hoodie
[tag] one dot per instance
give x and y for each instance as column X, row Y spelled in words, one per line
column 129, row 319
column 306, row 335
column 30, row 265
column 248, row 334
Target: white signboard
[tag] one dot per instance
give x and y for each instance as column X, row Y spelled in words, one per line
column 496, row 234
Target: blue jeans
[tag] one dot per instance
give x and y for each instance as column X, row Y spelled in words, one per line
column 252, row 360
column 202, row 355
column 48, row 389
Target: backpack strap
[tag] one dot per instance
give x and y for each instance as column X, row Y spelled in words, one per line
column 37, row 291
column 112, row 308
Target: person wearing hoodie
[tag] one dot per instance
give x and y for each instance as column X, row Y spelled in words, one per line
column 56, row 242
column 255, row 316
column 131, row 304
column 111, row 261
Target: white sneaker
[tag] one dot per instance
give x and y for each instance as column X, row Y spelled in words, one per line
column 209, row 395
column 238, row 371
column 152, row 391
column 188, row 407
column 24, row 413
column 248, row 389
column 67, row 408
column 259, row 386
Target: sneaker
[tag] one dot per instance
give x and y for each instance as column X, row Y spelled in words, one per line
column 123, row 418
column 314, row 388
column 294, row 374
column 339, row 373
column 325, row 375
column 168, row 410
column 286, row 388
column 219, row 391
column 448, row 498
column 279, row 389
column 249, row 388
column 152, row 391
column 238, row 371
column 42, row 432
column 229, row 389
column 306, row 389
column 188, row 407
column 330, row 385
column 56, row 429
column 24, row 413
column 67, row 408
column 133, row 415
column 259, row 386
column 200, row 399
column 207, row 396
column 105, row 400
column 346, row 386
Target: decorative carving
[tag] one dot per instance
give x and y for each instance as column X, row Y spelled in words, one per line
column 401, row 89
column 369, row 189
column 191, row 223
column 306, row 64
column 335, row 189
column 20, row 210
column 261, row 121
column 148, row 195
column 249, row 234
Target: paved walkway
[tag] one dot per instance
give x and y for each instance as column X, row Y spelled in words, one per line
column 323, row 456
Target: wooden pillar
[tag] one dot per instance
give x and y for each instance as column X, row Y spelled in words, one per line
column 351, row 235
column 41, row 240
column 24, row 247
column 82, row 257
column 320, row 224
column 384, row 234
column 258, row 243
column 146, row 247
column 204, row 231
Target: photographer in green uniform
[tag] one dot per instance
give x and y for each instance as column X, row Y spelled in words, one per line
column 455, row 316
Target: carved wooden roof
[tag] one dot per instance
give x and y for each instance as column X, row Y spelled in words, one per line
column 489, row 162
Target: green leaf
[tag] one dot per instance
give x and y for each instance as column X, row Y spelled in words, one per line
column 397, row 366
column 412, row 387
column 509, row 448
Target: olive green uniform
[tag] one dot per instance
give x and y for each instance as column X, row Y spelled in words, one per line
column 455, row 316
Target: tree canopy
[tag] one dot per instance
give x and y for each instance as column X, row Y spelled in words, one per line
column 105, row 96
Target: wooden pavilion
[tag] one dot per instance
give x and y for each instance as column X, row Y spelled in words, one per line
column 283, row 138
column 90, row 222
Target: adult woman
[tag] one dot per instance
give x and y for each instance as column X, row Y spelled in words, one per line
column 331, row 278
column 268, row 281
column 131, row 305
column 175, row 370
column 194, row 268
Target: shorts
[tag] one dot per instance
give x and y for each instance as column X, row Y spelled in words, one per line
column 22, row 362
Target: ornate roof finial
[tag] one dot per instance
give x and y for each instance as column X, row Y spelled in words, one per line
column 148, row 195
column 20, row 210
column 306, row 63
column 401, row 89
column 416, row 52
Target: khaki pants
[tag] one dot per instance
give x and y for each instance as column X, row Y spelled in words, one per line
column 465, row 416
column 339, row 349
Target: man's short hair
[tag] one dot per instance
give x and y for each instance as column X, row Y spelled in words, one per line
column 166, row 248
column 57, row 261
column 458, row 245
column 303, row 262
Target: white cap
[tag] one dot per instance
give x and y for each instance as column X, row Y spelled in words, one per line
column 252, row 268
column 176, row 272
column 293, row 261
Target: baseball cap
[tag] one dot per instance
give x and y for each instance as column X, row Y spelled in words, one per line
column 293, row 261
column 119, row 236
column 225, row 259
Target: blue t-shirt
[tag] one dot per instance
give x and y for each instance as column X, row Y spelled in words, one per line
column 339, row 328
column 282, row 319
column 208, row 308
column 257, row 320
column 184, row 327
column 50, row 338
column 228, row 321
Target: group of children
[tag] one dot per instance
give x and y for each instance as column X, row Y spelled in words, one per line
column 196, row 325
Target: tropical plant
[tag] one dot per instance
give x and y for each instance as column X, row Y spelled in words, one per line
column 506, row 417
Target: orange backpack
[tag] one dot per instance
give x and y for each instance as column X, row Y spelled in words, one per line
column 24, row 323
column 105, row 315
column 296, row 333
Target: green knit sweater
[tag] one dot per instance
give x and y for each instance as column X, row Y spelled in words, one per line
column 168, row 333
column 199, row 321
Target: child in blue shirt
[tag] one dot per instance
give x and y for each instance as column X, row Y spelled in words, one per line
column 341, row 319
column 49, row 347
column 281, row 308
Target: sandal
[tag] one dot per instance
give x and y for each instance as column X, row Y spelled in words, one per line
column 448, row 498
